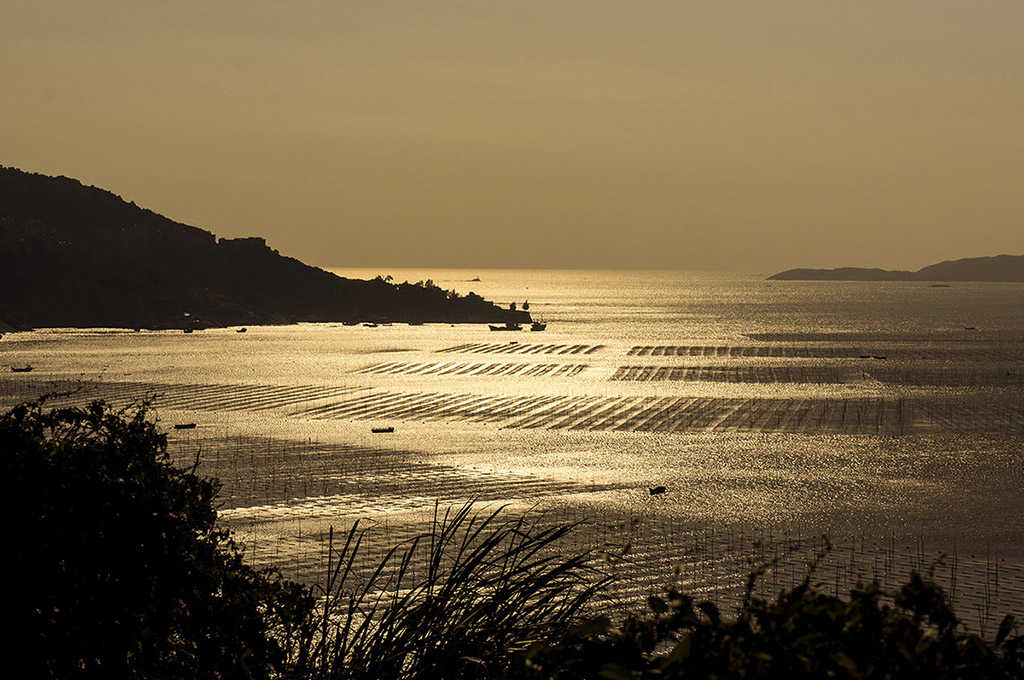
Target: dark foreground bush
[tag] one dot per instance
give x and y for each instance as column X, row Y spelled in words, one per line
column 486, row 597
column 805, row 633
column 118, row 567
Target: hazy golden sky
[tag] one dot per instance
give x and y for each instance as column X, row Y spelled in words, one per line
column 755, row 135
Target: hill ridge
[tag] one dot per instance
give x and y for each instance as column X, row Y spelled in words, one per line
column 73, row 255
column 995, row 268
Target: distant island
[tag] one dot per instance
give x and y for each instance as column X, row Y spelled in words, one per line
column 999, row 268
column 78, row 256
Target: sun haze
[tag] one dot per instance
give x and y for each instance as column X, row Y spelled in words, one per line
column 664, row 134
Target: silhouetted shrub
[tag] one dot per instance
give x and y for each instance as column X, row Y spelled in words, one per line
column 119, row 568
column 804, row 633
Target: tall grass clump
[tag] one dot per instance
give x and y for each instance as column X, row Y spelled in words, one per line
column 460, row 601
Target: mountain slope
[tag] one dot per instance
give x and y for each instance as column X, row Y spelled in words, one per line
column 998, row 268
column 72, row 255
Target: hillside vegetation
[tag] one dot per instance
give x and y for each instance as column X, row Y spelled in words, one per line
column 78, row 256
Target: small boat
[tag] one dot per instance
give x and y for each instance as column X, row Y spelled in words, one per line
column 510, row 326
column 349, row 323
column 188, row 330
column 370, row 325
column 242, row 330
column 21, row 369
column 657, row 490
column 381, row 430
column 538, row 326
column 185, row 426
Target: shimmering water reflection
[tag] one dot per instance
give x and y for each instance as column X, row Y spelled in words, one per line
column 868, row 411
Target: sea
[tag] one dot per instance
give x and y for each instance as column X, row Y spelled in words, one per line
column 695, row 425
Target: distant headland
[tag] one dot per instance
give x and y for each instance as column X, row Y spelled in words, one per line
column 78, row 256
column 1007, row 268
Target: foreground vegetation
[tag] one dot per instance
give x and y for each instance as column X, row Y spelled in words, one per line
column 122, row 571
column 120, row 567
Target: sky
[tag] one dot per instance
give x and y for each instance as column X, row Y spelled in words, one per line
column 721, row 135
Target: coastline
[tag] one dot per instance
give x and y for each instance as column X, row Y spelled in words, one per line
column 756, row 409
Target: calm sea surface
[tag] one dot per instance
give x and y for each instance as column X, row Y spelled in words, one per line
column 890, row 413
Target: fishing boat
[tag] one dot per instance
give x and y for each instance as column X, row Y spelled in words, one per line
column 510, row 326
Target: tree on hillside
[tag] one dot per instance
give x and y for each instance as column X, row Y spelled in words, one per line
column 119, row 568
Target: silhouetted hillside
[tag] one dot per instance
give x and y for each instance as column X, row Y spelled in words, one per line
column 72, row 255
column 844, row 274
column 998, row 268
